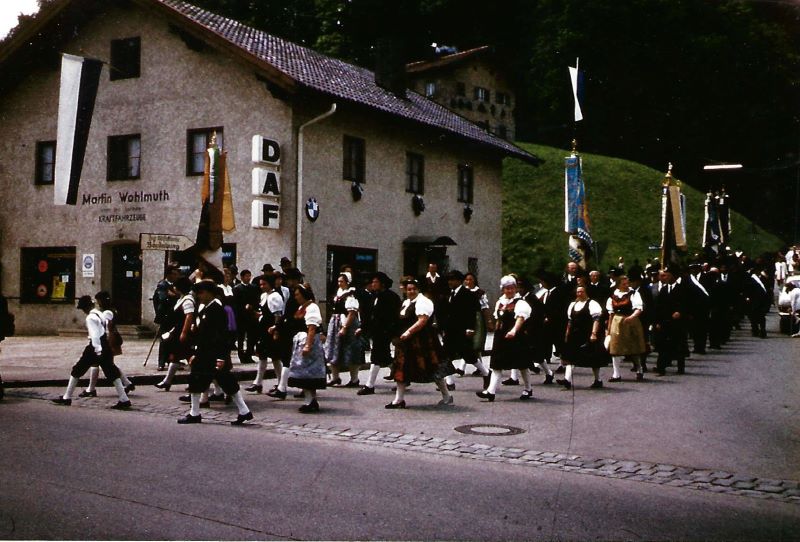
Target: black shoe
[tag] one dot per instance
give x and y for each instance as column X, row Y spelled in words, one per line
column 164, row 387
column 451, row 387
column 617, row 379
column 485, row 395
column 548, row 380
column 366, row 390
column 241, row 418
column 564, row 382
column 218, row 398
column 122, row 405
column 352, row 384
column 313, row 406
column 510, row 382
column 597, row 384
column 561, row 369
column 255, row 388
column 639, row 377
column 85, row 393
column 190, row 419
column 392, row 406
column 62, row 401
column 335, row 382
column 130, row 387
column 185, row 398
column 277, row 394
column 388, row 378
column 527, row 395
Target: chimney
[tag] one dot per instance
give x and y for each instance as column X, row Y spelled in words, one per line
column 390, row 65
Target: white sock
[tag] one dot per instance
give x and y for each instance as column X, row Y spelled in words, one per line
column 568, row 373
column 400, row 394
column 278, row 367
column 195, row 409
column 495, row 381
column 262, row 367
column 283, row 383
column 450, row 380
column 94, row 372
column 443, row 388
column 240, row 404
column 354, row 373
column 515, row 374
column 481, row 367
column 596, row 372
column 461, row 365
column 526, row 378
column 171, row 370
column 616, row 361
column 544, row 365
column 120, row 390
column 373, row 375
column 125, row 380
column 71, row 385
column 204, row 397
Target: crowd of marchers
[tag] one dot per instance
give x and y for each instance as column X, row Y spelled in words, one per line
column 542, row 324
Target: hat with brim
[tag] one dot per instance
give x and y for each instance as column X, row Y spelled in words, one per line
column 267, row 268
column 85, row 302
column 383, row 278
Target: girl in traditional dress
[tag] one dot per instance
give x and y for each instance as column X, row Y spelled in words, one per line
column 419, row 356
column 271, row 307
column 626, row 336
column 483, row 322
column 343, row 347
column 307, row 366
column 510, row 349
column 179, row 342
column 582, row 347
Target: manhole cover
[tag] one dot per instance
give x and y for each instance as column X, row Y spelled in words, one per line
column 489, row 430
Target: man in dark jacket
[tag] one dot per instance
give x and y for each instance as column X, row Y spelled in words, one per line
column 212, row 358
column 164, row 299
column 382, row 327
column 669, row 322
column 246, row 297
column 461, row 311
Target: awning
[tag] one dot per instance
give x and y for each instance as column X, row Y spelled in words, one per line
column 429, row 240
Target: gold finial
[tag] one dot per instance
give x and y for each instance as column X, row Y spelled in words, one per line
column 213, row 141
column 574, row 146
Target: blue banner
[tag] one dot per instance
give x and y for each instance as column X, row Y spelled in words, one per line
column 576, row 204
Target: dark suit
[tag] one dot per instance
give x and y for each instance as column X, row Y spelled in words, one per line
column 383, row 326
column 211, row 345
column 247, row 330
column 539, row 344
column 757, row 303
column 698, row 308
column 670, row 333
column 461, row 313
column 556, row 301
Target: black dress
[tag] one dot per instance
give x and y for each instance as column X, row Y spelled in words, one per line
column 509, row 353
column 420, row 358
column 579, row 350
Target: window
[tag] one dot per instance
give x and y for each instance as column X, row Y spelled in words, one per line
column 125, row 58
column 45, row 162
column 415, row 173
column 465, row 183
column 482, row 94
column 47, row 275
column 430, row 89
column 197, row 141
column 353, row 159
column 461, row 89
column 124, row 157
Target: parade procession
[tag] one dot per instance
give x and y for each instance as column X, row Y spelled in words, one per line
column 208, row 222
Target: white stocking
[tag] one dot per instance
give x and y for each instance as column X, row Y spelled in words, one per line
column 544, row 365
column 278, row 366
column 309, row 396
column 284, row 381
column 450, row 380
column 400, row 395
column 240, row 404
column 616, row 361
column 526, row 378
column 195, row 409
column 120, row 390
column 515, row 374
column 262, row 368
column 94, row 372
column 497, row 374
column 568, row 373
column 73, row 383
column 373, row 375
column 171, row 370
column 481, row 367
column 125, row 380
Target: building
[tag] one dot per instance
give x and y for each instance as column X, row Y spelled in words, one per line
column 471, row 83
column 359, row 159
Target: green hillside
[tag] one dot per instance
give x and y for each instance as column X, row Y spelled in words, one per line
column 624, row 208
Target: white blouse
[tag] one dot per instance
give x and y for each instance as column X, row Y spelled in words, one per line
column 594, row 308
column 484, row 300
column 521, row 309
column 423, row 305
column 636, row 301
column 274, row 302
column 313, row 315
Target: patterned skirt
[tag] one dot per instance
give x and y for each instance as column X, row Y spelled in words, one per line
column 343, row 352
column 421, row 358
column 307, row 372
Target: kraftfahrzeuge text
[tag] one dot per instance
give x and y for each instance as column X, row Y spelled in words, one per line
column 132, row 214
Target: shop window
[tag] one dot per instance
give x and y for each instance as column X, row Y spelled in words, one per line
column 353, row 159
column 415, row 173
column 47, row 275
column 197, row 141
column 124, row 157
column 465, row 183
column 45, row 162
column 125, row 58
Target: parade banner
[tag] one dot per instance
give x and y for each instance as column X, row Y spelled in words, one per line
column 216, row 214
column 80, row 78
column 576, row 78
column 711, row 236
column 723, row 212
column 576, row 210
column 673, row 222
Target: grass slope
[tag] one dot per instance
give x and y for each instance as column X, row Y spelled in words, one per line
column 624, row 208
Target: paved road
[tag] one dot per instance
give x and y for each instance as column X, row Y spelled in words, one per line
column 85, row 473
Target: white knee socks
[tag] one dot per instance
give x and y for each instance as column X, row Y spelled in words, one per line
column 373, row 375
column 195, row 409
column 544, row 365
column 125, row 380
column 481, row 367
column 515, row 374
column 120, row 390
column 240, row 404
column 400, row 395
column 94, row 372
column 568, row 373
column 171, row 370
column 495, row 381
column 262, row 368
column 309, row 396
column 73, row 383
column 526, row 378
column 450, row 380
column 278, row 366
column 284, row 380
column 616, row 361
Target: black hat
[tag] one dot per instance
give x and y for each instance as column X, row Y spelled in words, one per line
column 383, row 278
column 285, row 260
column 205, row 286
column 455, row 274
column 85, row 302
column 268, row 267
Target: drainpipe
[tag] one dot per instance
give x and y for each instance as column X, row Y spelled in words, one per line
column 298, row 250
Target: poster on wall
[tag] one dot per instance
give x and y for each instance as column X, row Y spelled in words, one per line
column 87, row 265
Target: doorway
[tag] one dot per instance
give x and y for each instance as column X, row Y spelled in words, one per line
column 126, row 283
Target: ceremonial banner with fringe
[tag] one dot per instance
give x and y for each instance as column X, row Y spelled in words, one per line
column 673, row 219
column 723, row 212
column 80, row 78
column 216, row 214
column 576, row 210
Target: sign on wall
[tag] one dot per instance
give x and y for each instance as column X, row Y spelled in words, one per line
column 266, row 187
column 87, row 265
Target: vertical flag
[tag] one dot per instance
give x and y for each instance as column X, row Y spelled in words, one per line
column 723, row 212
column 216, row 214
column 576, row 210
column 576, row 77
column 711, row 225
column 80, row 78
column 673, row 220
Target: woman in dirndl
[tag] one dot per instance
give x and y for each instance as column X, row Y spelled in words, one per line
column 625, row 332
column 344, row 349
column 419, row 356
column 582, row 347
column 510, row 348
column 307, row 365
column 180, row 340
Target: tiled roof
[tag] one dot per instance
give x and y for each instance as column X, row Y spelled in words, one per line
column 339, row 79
column 424, row 65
